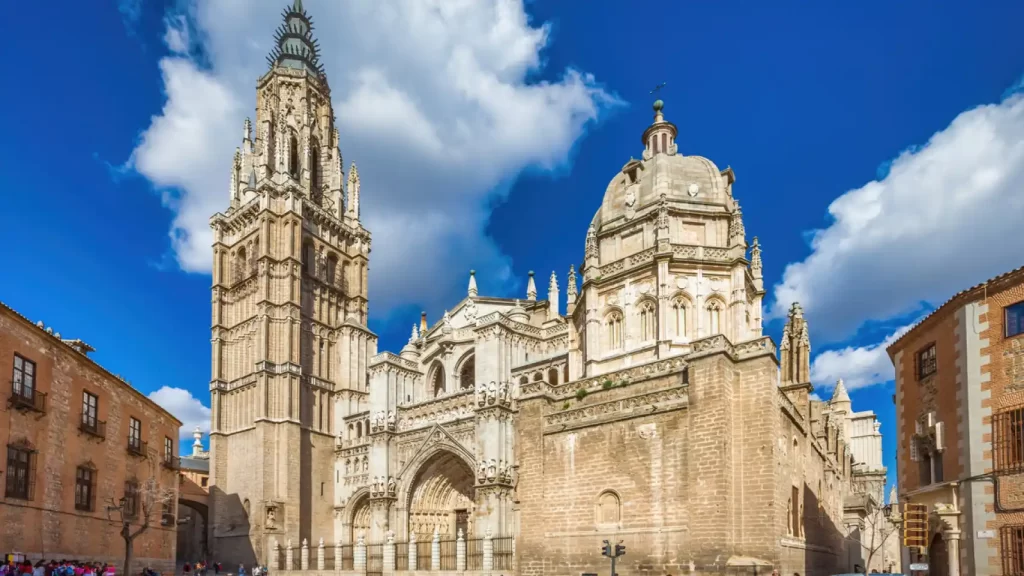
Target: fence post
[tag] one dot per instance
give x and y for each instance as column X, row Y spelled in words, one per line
column 338, row 564
column 388, row 553
column 435, row 551
column 460, row 552
column 488, row 551
column 276, row 560
column 412, row 551
column 359, row 554
column 289, row 556
column 320, row 556
column 304, row 555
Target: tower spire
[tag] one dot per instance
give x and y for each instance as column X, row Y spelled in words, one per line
column 531, row 288
column 553, row 296
column 472, row 291
column 295, row 46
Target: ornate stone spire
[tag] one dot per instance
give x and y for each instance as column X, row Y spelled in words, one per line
column 591, row 250
column 197, row 445
column 839, row 394
column 295, row 46
column 353, row 192
column 415, row 334
column 755, row 259
column 247, row 130
column 737, row 233
column 795, row 349
column 531, row 288
column 570, row 290
column 553, row 296
column 423, row 324
column 472, row 291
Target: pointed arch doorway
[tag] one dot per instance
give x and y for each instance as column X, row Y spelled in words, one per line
column 442, row 497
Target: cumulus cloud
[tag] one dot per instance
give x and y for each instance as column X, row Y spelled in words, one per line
column 944, row 216
column 185, row 407
column 434, row 101
column 858, row 366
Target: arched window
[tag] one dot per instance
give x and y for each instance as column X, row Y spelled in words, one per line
column 309, row 258
column 437, row 380
column 609, row 509
column 714, row 308
column 359, row 429
column 332, row 269
column 613, row 330
column 467, row 373
column 293, row 157
column 241, row 264
column 314, row 168
column 679, row 311
column 538, row 377
column 553, row 376
column 524, row 380
column 647, row 321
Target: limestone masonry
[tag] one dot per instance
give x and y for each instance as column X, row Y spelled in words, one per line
column 640, row 402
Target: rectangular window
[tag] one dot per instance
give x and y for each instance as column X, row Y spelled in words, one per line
column 134, row 435
column 20, row 473
column 1011, row 541
column 925, row 467
column 168, row 450
column 84, row 482
column 794, row 526
column 937, row 475
column 203, row 483
column 1014, row 319
column 131, row 499
column 1008, row 441
column 23, row 381
column 90, row 411
column 926, row 362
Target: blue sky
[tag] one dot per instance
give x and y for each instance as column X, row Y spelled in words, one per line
column 863, row 160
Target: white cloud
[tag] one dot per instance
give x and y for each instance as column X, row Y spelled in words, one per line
column 432, row 100
column 946, row 216
column 177, row 35
column 858, row 366
column 185, row 407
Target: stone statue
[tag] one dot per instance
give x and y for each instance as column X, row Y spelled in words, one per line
column 391, row 419
column 492, row 393
column 481, row 394
column 271, row 517
column 482, row 472
column 504, row 393
column 492, row 468
column 391, row 486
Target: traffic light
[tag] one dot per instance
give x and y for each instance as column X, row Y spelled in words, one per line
column 606, row 550
column 620, row 550
column 915, row 526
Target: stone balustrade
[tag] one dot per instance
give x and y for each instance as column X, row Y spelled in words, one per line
column 443, row 409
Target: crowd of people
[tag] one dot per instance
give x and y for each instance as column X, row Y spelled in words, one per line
column 55, row 568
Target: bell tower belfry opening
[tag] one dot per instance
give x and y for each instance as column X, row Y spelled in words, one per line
column 289, row 297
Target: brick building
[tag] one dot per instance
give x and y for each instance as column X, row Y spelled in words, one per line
column 960, row 427
column 78, row 439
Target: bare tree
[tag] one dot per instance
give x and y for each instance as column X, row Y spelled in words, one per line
column 141, row 506
column 876, row 534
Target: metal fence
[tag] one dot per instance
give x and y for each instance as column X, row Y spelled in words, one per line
column 347, row 559
column 401, row 555
column 475, row 554
column 423, row 555
column 503, row 553
column 448, row 554
column 374, row 559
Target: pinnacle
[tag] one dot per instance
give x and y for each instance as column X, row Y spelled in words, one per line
column 839, row 394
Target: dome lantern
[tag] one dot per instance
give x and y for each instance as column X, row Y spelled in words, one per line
column 660, row 136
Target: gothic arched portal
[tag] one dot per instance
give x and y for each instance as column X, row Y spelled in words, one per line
column 360, row 518
column 442, row 496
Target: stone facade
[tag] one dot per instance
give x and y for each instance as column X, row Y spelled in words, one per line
column 648, row 409
column 960, row 418
column 71, row 421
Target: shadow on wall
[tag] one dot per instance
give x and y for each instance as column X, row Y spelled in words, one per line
column 230, row 529
column 826, row 551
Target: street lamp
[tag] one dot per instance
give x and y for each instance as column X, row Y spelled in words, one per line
column 887, row 510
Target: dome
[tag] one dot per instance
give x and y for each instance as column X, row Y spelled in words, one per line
column 640, row 184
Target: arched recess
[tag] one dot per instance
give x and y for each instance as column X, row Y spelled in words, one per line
column 467, row 371
column 608, row 509
column 294, row 166
column 192, row 530
column 441, row 495
column 680, row 315
column 647, row 313
column 714, row 311
column 436, row 379
column 359, row 521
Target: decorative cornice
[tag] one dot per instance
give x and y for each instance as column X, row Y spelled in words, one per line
column 619, row 409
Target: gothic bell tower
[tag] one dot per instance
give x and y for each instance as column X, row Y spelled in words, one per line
column 289, row 338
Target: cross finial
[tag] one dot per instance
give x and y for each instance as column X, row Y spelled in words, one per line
column 658, row 87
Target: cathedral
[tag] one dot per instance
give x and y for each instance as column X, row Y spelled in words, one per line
column 639, row 402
